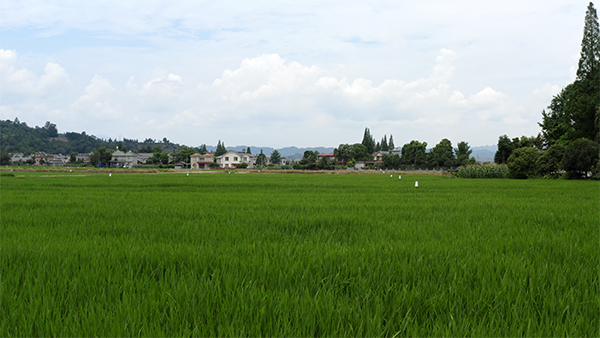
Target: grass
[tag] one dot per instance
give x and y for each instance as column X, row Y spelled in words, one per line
column 297, row 255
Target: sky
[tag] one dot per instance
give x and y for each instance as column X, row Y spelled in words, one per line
column 288, row 73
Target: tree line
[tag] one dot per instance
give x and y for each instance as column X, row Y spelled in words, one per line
column 569, row 143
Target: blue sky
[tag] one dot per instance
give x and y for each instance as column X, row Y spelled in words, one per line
column 282, row 73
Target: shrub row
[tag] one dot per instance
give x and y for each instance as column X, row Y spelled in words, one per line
column 481, row 171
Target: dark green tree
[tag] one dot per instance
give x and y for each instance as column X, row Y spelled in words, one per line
column 101, row 155
column 384, row 144
column 202, row 150
column 463, row 153
column 51, row 130
column 391, row 161
column 589, row 60
column 574, row 113
column 275, row 157
column 580, row 157
column 442, row 155
column 343, row 153
column 4, row 158
column 391, row 143
column 183, row 154
column 413, row 153
column 549, row 162
column 522, row 162
column 261, row 159
column 368, row 141
column 505, row 149
column 359, row 152
column 73, row 157
column 220, row 149
column 249, row 151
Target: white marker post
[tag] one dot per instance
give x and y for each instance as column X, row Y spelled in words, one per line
column 416, row 184
column 109, row 175
column 399, row 177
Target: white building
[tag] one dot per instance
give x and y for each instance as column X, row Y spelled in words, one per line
column 231, row 158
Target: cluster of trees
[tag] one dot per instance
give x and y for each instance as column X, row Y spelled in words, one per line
column 570, row 138
column 372, row 146
column 414, row 153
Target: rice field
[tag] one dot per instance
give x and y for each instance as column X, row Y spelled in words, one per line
column 297, row 255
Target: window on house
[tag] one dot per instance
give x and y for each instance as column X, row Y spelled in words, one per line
column 235, row 158
column 226, row 158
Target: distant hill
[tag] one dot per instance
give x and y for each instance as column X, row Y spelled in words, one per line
column 484, row 153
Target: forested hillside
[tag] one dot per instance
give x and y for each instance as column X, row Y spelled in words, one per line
column 18, row 137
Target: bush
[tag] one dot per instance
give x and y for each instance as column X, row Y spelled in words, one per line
column 481, row 171
column 243, row 165
column 522, row 163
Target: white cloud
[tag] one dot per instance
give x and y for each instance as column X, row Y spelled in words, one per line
column 98, row 100
column 24, row 81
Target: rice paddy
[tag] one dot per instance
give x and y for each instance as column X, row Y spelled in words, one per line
column 297, row 255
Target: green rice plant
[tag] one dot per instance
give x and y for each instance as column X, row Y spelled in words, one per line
column 481, row 171
column 297, row 255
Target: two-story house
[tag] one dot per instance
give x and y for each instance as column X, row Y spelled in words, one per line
column 231, row 158
column 201, row 161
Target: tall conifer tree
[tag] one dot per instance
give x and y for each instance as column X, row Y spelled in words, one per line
column 589, row 61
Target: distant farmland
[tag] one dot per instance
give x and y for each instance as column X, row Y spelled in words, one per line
column 297, row 255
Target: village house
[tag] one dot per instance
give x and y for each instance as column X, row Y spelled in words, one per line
column 377, row 158
column 143, row 157
column 231, row 158
column 121, row 159
column 16, row 157
column 83, row 157
column 328, row 156
column 201, row 161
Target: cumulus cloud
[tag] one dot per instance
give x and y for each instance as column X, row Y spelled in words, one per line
column 269, row 96
column 98, row 100
column 24, row 81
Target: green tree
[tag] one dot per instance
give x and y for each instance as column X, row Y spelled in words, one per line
column 73, row 157
column 505, row 149
column 359, row 152
column 275, row 157
column 391, row 143
column 101, row 155
column 580, row 157
column 261, row 159
column 442, row 155
column 220, row 149
column 463, row 153
column 384, row 144
column 589, row 60
column 391, row 161
column 549, row 162
column 413, row 153
column 343, row 153
column 368, row 141
column 51, row 130
column 249, row 151
column 574, row 113
column 4, row 158
column 202, row 150
column 184, row 154
column 522, row 162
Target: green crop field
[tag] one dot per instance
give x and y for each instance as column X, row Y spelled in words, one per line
column 85, row 254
